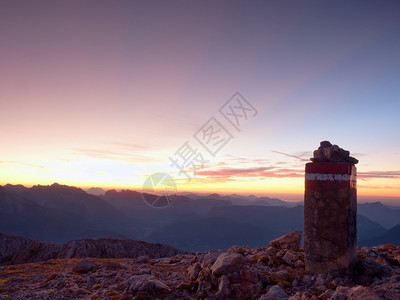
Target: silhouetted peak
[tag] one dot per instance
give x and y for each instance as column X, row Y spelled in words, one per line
column 110, row 192
column 56, row 187
column 215, row 195
column 122, row 194
column 97, row 191
column 19, row 186
column 375, row 204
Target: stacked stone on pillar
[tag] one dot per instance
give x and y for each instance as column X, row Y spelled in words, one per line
column 330, row 211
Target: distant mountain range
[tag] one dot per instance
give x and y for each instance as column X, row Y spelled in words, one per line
column 60, row 213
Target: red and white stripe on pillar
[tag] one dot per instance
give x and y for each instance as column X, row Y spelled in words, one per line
column 331, row 173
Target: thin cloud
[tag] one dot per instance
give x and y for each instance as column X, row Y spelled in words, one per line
column 379, row 174
column 118, row 155
column 300, row 156
column 386, row 187
column 129, row 145
column 22, row 163
column 244, row 160
column 252, row 172
column 118, row 151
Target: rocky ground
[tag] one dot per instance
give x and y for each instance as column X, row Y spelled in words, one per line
column 273, row 272
column 18, row 250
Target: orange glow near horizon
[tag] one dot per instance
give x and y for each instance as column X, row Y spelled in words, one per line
column 111, row 174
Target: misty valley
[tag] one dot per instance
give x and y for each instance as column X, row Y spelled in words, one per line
column 60, row 213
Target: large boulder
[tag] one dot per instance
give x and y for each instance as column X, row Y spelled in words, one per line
column 367, row 270
column 85, row 266
column 223, row 288
column 227, row 263
column 289, row 241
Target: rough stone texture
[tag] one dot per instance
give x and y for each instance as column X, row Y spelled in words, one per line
column 227, row 263
column 223, row 288
column 289, row 257
column 194, row 270
column 210, row 257
column 85, row 266
column 357, row 293
column 148, row 285
column 10, row 243
column 290, row 241
column 330, row 212
column 332, row 153
column 367, row 268
column 155, row 278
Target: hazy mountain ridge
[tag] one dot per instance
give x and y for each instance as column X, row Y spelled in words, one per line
column 380, row 213
column 23, row 216
column 392, row 235
column 60, row 213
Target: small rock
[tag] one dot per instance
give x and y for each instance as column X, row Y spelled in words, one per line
column 142, row 271
column 85, row 266
column 295, row 283
column 142, row 259
column 111, row 265
column 148, row 284
column 165, row 260
column 320, row 279
column 338, row 296
column 289, row 257
column 275, row 293
column 193, row 270
column 298, row 264
column 321, row 288
column 297, row 296
column 307, row 280
column 271, row 251
column 209, row 258
column 362, row 293
column 223, row 288
column 227, row 263
column 325, row 144
column 326, row 295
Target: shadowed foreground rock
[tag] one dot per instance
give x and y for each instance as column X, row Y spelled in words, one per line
column 272, row 272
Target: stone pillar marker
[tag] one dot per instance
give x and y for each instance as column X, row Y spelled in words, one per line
column 330, row 211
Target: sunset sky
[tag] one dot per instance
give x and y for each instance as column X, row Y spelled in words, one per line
column 104, row 93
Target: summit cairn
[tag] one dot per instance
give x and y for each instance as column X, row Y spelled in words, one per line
column 330, row 211
column 332, row 153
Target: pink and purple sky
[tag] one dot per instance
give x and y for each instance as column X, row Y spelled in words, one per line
column 103, row 93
